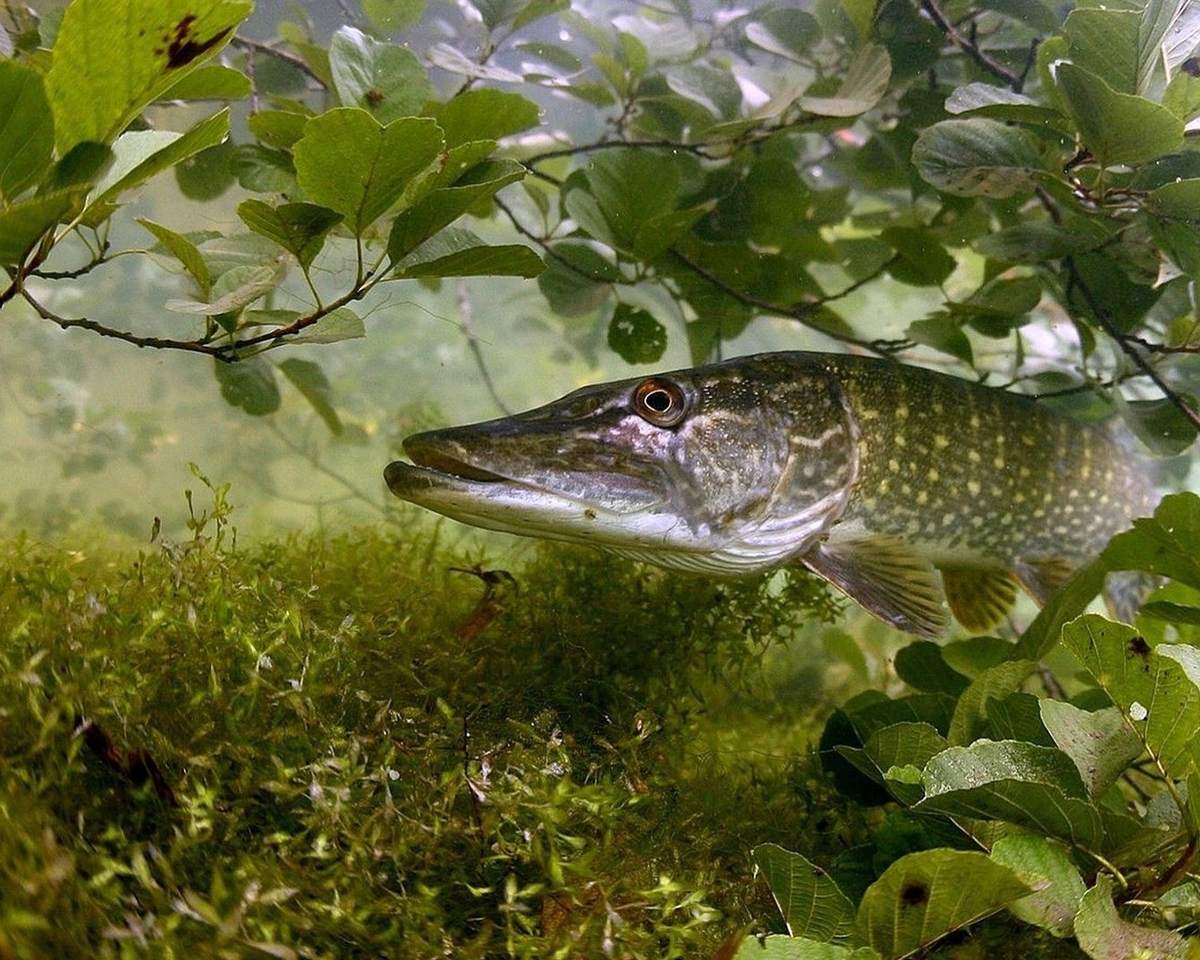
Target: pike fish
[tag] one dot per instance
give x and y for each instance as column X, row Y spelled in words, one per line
column 909, row 490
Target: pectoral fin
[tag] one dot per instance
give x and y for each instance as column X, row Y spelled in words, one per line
column 1040, row 578
column 883, row 576
column 979, row 599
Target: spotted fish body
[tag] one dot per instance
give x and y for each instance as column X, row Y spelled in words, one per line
column 903, row 487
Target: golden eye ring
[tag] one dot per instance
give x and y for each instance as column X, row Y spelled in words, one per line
column 660, row 401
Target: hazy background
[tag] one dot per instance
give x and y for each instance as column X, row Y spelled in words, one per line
column 97, row 434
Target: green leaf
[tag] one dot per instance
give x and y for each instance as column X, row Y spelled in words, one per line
column 635, row 335
column 1037, row 242
column 794, row 948
column 459, row 253
column 249, row 384
column 1159, row 424
column 1116, row 127
column 970, row 715
column 710, row 93
column 1153, row 687
column 386, row 80
column 922, row 666
column 1179, row 200
column 627, row 198
column 300, row 228
column 103, row 77
column 206, row 175
column 1103, row 935
column 214, row 81
column 278, row 128
column 924, row 896
column 81, row 166
column 1105, row 42
column 1169, row 35
column 26, row 129
column 1182, row 96
column 307, row 377
column 234, row 289
column 1070, row 600
column 865, row 84
column 810, row 901
column 391, row 16
column 23, row 223
column 1047, row 868
column 453, row 60
column 551, row 54
column 350, row 163
column 922, row 260
column 140, row 154
column 784, row 31
column 341, row 324
column 971, row 656
column 1023, row 783
column 442, row 206
column 532, row 10
column 999, row 103
column 518, row 13
column 1099, row 742
column 1016, row 717
column 184, row 251
column 577, row 279
column 977, row 157
column 1163, row 544
column 1005, row 296
column 262, row 170
column 942, row 332
column 484, row 114
column 1170, row 612
column 223, row 252
column 877, row 713
column 902, row 745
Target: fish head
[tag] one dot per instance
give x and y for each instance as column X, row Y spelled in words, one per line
column 730, row 467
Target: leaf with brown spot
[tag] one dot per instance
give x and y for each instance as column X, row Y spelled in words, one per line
column 183, row 46
column 101, row 79
column 924, row 896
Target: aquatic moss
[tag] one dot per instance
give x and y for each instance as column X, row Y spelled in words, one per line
column 360, row 746
column 356, row 745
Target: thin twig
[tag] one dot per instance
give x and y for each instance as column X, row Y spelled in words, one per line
column 468, row 328
column 970, row 49
column 256, row 46
column 1127, row 344
column 156, row 343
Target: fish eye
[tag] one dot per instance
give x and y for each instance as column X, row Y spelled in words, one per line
column 660, row 401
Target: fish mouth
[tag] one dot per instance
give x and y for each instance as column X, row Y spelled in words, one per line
column 437, row 470
column 452, row 466
column 444, row 477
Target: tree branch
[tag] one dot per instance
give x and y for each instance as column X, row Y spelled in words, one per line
column 968, row 47
column 157, row 343
column 1129, row 345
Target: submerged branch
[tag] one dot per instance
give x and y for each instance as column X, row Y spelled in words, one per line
column 969, row 47
column 1129, row 345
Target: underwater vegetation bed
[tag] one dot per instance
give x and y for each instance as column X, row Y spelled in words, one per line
column 361, row 746
column 364, row 745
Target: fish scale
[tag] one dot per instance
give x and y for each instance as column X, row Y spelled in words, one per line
column 992, row 474
column 908, row 489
